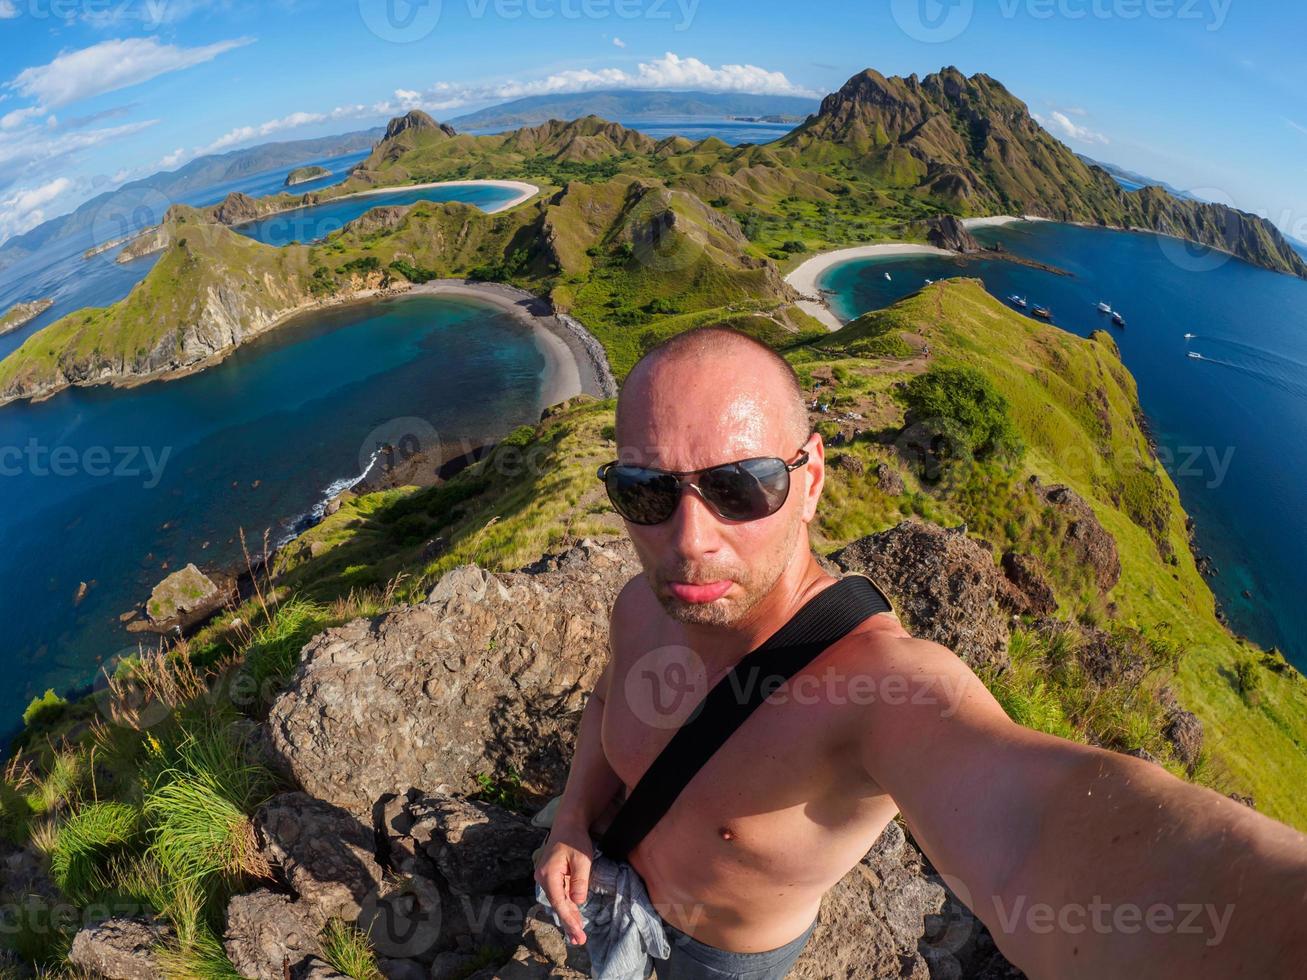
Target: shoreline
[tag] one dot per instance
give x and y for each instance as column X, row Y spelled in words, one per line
column 803, row 278
column 524, row 190
column 572, row 366
column 999, row 219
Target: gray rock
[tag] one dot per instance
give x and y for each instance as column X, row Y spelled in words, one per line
column 315, row 969
column 327, row 856
column 120, row 949
column 489, row 675
column 1182, row 729
column 479, row 848
column 266, row 931
column 1026, row 572
column 1086, row 538
column 872, row 922
column 402, row 970
column 944, row 586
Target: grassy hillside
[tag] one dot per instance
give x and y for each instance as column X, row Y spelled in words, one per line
column 1056, row 406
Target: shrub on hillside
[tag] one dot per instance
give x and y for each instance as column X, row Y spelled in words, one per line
column 966, row 408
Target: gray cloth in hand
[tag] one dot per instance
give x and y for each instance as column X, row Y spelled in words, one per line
column 622, row 928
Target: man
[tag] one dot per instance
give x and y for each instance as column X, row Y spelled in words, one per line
column 1018, row 820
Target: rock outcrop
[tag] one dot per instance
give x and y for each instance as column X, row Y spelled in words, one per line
column 415, row 119
column 489, row 675
column 944, row 586
column 950, row 233
column 119, row 949
column 23, row 313
column 184, row 594
column 1087, row 539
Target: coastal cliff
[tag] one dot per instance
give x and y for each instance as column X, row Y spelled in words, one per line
column 968, row 143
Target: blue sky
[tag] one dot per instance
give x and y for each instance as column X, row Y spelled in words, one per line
column 1205, row 94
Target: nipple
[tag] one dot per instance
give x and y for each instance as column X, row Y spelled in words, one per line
column 726, row 833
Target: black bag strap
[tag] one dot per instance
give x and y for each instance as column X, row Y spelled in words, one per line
column 825, row 618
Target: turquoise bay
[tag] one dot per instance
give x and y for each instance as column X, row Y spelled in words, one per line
column 1230, row 424
column 252, row 443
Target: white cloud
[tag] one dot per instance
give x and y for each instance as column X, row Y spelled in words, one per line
column 40, row 144
column 619, row 42
column 109, row 66
column 1060, row 124
column 668, row 72
column 12, row 120
column 1297, row 125
column 24, row 209
column 243, row 134
column 173, row 159
column 8, row 11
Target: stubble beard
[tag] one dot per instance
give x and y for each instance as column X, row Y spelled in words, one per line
column 752, row 583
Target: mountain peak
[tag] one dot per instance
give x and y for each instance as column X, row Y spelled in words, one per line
column 415, row 119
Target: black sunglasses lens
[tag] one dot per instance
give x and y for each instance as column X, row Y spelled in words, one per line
column 642, row 496
column 747, row 490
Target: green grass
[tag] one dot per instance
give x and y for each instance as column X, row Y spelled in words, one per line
column 349, row 951
column 86, row 839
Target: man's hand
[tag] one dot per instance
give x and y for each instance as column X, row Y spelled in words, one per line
column 563, row 871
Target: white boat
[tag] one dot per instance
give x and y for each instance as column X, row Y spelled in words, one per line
column 1118, row 319
column 929, row 281
column 1104, row 307
column 1016, row 300
column 1190, row 336
column 1195, row 355
column 887, row 276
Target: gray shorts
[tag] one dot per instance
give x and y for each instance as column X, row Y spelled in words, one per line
column 693, row 960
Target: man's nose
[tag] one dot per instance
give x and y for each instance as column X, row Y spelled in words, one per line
column 693, row 527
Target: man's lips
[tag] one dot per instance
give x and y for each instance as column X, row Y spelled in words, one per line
column 700, row 592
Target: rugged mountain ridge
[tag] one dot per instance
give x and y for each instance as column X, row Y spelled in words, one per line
column 969, row 144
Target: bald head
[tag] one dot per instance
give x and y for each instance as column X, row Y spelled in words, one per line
column 712, row 387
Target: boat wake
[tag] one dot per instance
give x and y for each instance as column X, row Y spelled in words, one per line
column 1260, row 353
column 1273, row 378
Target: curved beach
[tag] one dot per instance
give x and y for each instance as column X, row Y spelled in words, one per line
column 575, row 362
column 803, row 279
column 524, row 191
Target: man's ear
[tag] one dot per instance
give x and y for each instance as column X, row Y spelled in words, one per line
column 814, row 477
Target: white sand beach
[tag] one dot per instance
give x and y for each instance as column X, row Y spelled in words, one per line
column 999, row 219
column 804, row 278
column 524, row 190
column 567, row 370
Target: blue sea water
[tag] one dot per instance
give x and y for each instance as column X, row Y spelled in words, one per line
column 108, row 486
column 317, row 222
column 1231, row 423
column 74, row 282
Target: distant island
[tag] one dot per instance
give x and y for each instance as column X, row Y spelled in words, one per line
column 21, row 313
column 636, row 105
column 302, row 175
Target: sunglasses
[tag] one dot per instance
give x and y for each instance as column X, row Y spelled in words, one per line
column 745, row 490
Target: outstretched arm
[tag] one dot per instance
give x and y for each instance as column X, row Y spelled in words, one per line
column 1082, row 862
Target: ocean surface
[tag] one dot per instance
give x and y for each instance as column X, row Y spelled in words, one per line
column 74, row 282
column 317, row 222
column 696, row 128
column 1230, row 423
column 150, row 478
